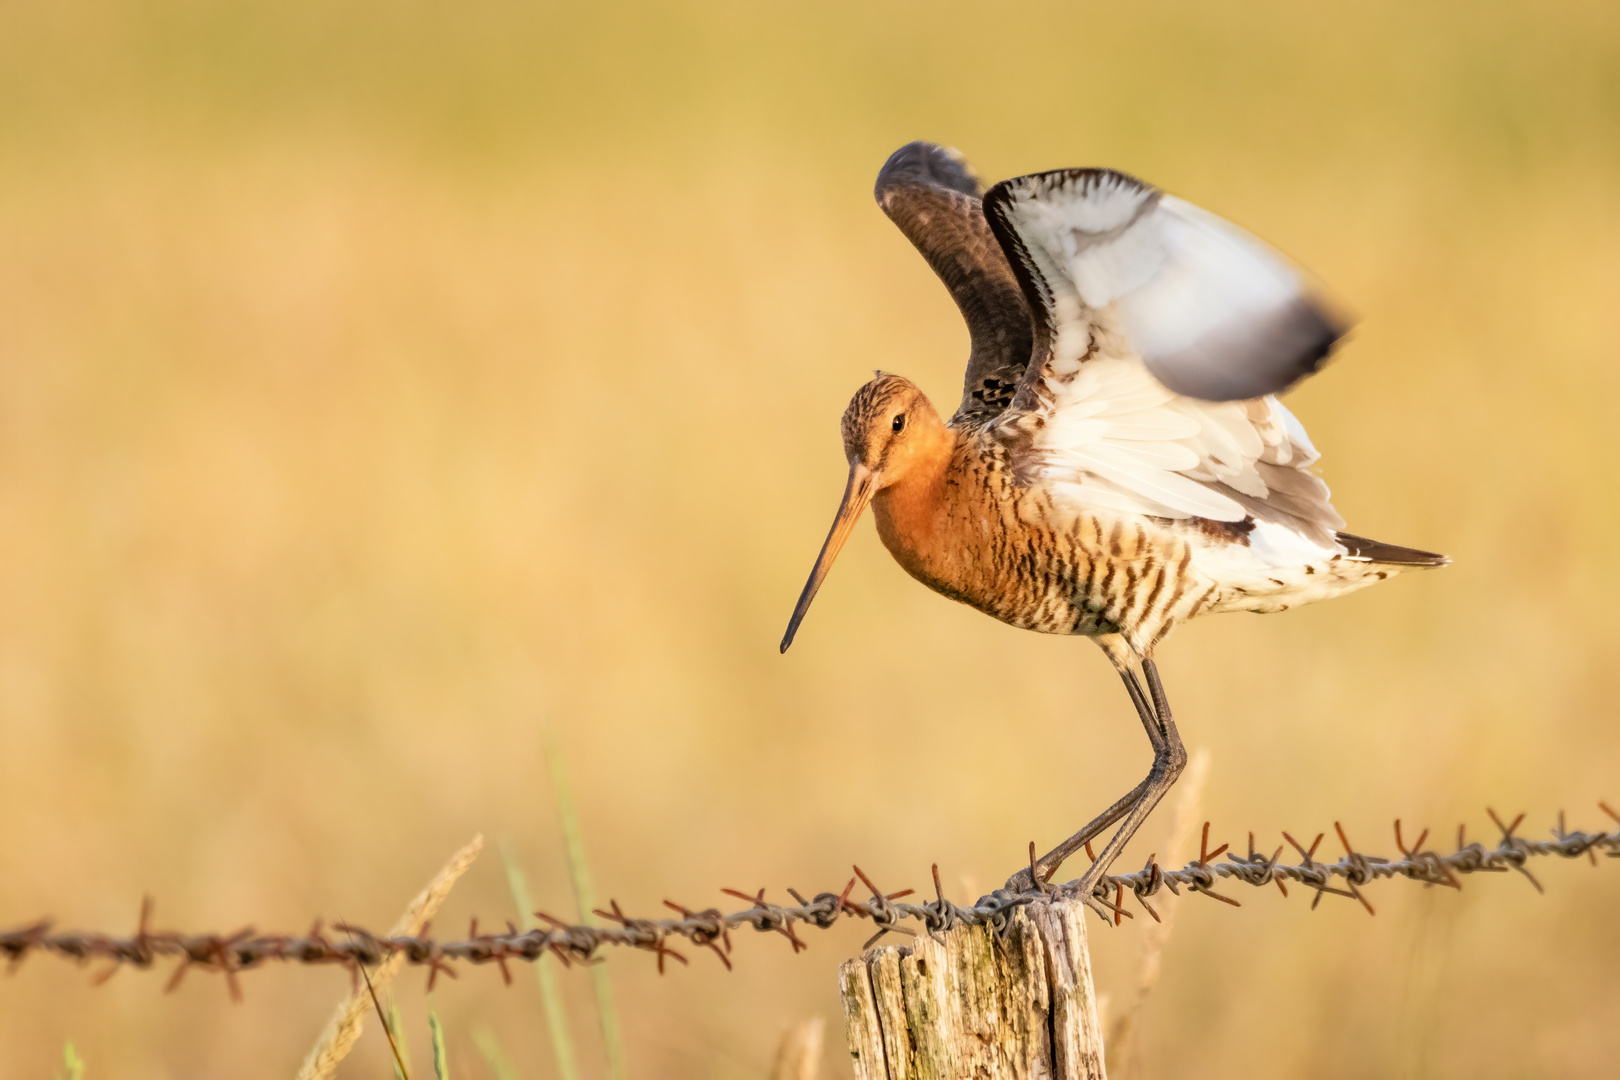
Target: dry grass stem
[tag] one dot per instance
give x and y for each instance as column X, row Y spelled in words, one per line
column 349, row 1019
column 551, row 999
column 496, row 1063
column 393, row 1027
column 441, row 1055
column 798, row 1056
column 579, row 873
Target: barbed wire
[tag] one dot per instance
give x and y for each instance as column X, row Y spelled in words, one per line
column 711, row 929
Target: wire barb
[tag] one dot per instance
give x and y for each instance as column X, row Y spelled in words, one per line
column 245, row 950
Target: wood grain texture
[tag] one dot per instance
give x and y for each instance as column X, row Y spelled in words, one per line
column 963, row 1003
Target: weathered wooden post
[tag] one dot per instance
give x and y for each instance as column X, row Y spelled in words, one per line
column 966, row 1003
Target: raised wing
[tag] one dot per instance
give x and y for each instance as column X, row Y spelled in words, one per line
column 931, row 194
column 1160, row 333
column 1214, row 313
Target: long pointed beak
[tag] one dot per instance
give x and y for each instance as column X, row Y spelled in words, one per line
column 857, row 493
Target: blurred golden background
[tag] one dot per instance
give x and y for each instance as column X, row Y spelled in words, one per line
column 380, row 382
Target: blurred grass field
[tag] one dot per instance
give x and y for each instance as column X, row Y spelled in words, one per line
column 380, row 382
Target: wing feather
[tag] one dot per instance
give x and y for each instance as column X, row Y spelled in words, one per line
column 1213, row 312
column 1160, row 336
column 931, row 194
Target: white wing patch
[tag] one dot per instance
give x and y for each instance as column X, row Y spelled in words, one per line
column 1168, row 330
column 1114, row 438
column 1214, row 313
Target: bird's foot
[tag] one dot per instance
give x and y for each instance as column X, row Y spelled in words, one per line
column 1104, row 912
column 1085, row 890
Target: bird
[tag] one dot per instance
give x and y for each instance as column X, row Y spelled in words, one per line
column 1119, row 463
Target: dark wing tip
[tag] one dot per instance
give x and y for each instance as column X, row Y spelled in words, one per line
column 928, row 164
column 1359, row 547
column 931, row 194
column 1259, row 355
column 1318, row 333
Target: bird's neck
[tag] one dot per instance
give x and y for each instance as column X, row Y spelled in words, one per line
column 910, row 511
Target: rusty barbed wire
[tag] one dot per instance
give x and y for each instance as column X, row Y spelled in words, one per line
column 710, row 929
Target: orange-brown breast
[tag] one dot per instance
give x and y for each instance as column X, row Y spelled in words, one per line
column 967, row 529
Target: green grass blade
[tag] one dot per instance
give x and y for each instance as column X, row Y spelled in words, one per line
column 551, row 1001
column 397, row 1026
column 579, row 873
column 72, row 1063
column 441, row 1060
column 495, row 1059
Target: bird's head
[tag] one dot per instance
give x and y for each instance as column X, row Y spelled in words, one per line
column 890, row 428
column 887, row 427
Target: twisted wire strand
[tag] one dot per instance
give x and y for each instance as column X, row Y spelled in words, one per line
column 711, row 929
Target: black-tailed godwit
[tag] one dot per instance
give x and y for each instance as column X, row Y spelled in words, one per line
column 1119, row 463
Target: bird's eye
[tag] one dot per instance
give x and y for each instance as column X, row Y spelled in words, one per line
column 899, row 421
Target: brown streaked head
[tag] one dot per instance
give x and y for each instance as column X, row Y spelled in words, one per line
column 888, row 428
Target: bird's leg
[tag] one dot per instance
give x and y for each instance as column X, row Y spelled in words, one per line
column 1148, row 711
column 1161, row 704
column 1169, row 758
column 1047, row 865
